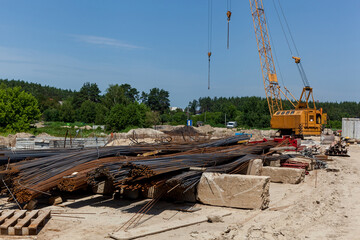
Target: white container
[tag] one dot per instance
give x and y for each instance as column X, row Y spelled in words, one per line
column 351, row 128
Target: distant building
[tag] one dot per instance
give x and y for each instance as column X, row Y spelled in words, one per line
column 175, row 108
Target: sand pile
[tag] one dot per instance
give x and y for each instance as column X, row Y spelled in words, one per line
column 144, row 133
column 44, row 135
column 223, row 132
column 206, row 129
column 184, row 131
column 4, row 142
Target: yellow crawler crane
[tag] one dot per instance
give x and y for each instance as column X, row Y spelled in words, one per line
column 303, row 119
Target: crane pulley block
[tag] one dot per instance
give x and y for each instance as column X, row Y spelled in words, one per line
column 297, row 59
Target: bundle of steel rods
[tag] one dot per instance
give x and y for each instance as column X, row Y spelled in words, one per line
column 138, row 174
column 20, row 155
column 31, row 178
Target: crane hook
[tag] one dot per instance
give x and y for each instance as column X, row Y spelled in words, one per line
column 228, row 14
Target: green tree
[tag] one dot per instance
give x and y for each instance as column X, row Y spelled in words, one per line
column 101, row 112
column 120, row 94
column 67, row 112
column 47, row 97
column 132, row 94
column 122, row 116
column 18, row 109
column 192, row 107
column 157, row 99
column 178, row 118
column 51, row 114
column 89, row 91
column 115, row 94
column 87, row 112
column 152, row 118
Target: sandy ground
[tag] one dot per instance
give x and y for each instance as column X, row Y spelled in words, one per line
column 325, row 206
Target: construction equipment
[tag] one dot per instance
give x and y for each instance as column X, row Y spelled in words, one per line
column 303, row 119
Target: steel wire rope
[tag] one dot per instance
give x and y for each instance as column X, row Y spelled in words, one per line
column 209, row 37
column 299, row 65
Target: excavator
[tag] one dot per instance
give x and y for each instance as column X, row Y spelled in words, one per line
column 304, row 118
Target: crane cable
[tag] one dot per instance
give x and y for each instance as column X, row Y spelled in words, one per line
column 276, row 58
column 297, row 59
column 228, row 14
column 209, row 37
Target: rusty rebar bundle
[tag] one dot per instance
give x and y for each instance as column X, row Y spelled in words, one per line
column 72, row 170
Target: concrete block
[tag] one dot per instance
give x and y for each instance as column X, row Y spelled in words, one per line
column 233, row 190
column 104, row 187
column 284, row 175
column 31, row 205
column 255, row 166
column 275, row 163
column 55, row 200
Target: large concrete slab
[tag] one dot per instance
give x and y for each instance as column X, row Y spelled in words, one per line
column 233, row 190
column 284, row 175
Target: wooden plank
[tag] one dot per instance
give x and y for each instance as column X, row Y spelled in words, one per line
column 13, row 219
column 39, row 221
column 6, row 215
column 26, row 220
column 17, row 229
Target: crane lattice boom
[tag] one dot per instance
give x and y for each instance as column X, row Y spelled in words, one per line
column 271, row 85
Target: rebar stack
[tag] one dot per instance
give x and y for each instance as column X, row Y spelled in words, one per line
column 126, row 167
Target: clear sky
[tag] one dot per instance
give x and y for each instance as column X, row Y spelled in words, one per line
column 158, row 43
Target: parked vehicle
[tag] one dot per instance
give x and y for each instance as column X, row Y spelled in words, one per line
column 231, row 124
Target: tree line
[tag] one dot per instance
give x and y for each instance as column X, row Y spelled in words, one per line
column 122, row 106
column 253, row 112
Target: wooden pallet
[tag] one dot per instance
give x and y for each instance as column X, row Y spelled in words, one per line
column 22, row 222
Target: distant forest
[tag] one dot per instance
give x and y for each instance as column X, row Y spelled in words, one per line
column 122, row 106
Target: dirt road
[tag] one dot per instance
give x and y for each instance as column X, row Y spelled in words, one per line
column 325, row 206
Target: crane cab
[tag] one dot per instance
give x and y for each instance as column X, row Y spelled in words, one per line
column 299, row 121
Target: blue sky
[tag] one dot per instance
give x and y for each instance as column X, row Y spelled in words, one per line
column 163, row 44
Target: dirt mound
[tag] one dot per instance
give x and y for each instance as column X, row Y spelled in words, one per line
column 184, row 131
column 269, row 133
column 206, row 129
column 23, row 135
column 44, row 135
column 223, row 132
column 164, row 127
column 143, row 133
column 4, row 142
